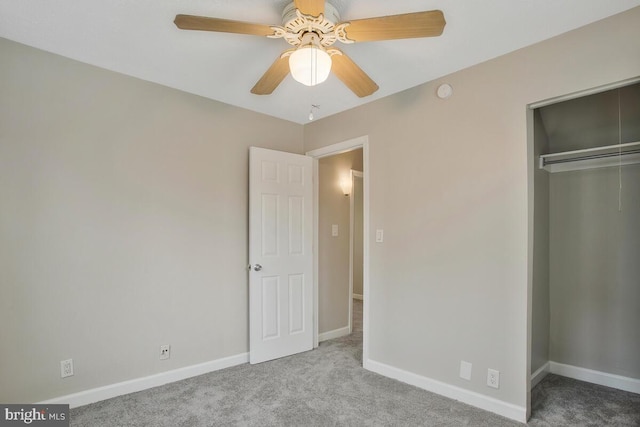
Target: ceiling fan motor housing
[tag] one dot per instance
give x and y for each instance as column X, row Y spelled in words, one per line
column 330, row 13
column 295, row 25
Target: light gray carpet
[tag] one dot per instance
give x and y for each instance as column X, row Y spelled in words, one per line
column 324, row 387
column 560, row 401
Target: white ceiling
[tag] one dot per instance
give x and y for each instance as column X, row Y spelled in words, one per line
column 138, row 38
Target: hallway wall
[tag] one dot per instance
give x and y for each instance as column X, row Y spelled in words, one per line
column 333, row 268
column 358, row 224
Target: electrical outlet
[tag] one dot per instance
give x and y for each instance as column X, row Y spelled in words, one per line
column 165, row 351
column 66, row 368
column 465, row 370
column 493, row 378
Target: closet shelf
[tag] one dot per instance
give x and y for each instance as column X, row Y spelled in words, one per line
column 590, row 158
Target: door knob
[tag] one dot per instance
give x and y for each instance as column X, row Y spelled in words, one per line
column 257, row 267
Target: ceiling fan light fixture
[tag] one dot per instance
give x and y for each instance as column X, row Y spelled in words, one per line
column 310, row 64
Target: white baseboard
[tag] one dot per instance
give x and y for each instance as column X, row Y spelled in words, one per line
column 538, row 375
column 358, row 296
column 336, row 333
column 478, row 400
column 131, row 386
column 596, row 377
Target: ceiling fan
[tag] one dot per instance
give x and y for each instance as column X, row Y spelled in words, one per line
column 312, row 27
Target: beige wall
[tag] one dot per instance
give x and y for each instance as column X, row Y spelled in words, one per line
column 449, row 185
column 123, row 224
column 333, row 259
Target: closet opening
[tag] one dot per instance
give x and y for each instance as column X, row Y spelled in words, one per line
column 585, row 299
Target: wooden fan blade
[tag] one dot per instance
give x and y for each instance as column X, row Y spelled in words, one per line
column 310, row 7
column 203, row 23
column 352, row 75
column 409, row 25
column 274, row 75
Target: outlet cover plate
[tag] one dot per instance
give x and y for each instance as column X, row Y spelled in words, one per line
column 493, row 378
column 66, row 368
column 165, row 352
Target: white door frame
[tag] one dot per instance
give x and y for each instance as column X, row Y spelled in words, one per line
column 342, row 147
column 354, row 174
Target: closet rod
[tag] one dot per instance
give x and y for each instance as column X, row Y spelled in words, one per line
column 589, row 158
column 593, row 156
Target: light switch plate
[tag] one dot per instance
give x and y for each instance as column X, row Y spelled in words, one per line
column 379, row 235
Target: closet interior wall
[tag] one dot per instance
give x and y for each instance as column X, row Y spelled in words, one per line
column 540, row 288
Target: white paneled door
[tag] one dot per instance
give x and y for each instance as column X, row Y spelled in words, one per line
column 281, row 263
